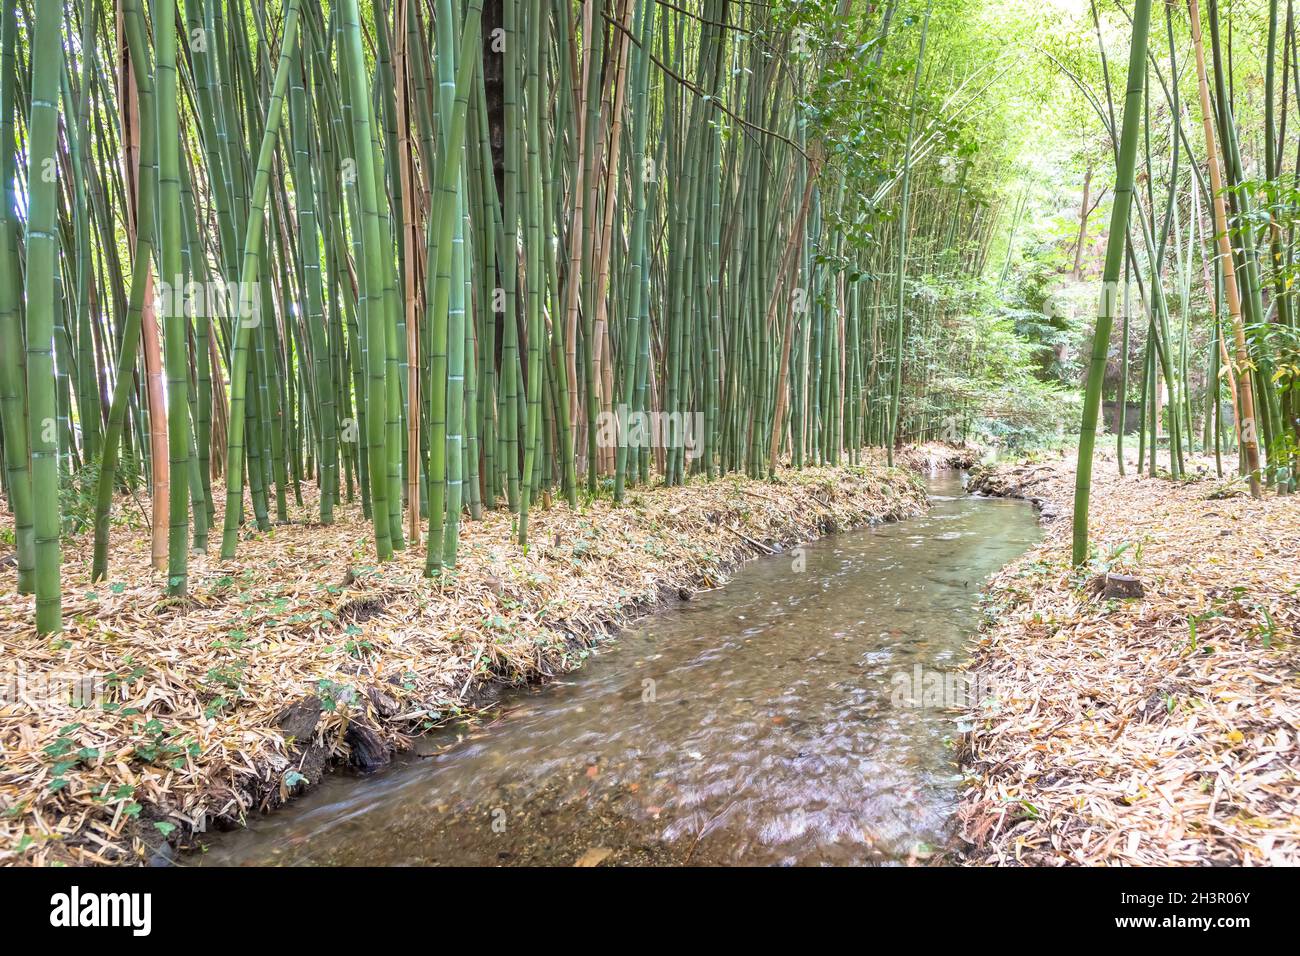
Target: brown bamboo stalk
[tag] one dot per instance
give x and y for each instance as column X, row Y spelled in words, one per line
column 1224, row 357
column 1077, row 271
column 577, row 219
column 220, row 413
column 160, row 485
column 603, row 375
column 787, row 260
column 1232, row 295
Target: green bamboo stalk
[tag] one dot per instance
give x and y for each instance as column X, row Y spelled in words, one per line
column 250, row 289
column 1115, row 248
column 42, row 266
column 13, row 385
column 441, row 542
column 175, row 319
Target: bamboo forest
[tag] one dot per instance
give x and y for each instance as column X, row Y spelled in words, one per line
column 650, row 433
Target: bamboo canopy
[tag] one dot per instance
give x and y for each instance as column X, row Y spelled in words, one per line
column 436, row 258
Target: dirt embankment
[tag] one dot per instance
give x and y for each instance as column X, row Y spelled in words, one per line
column 152, row 718
column 935, row 456
column 1158, row 730
column 1030, row 482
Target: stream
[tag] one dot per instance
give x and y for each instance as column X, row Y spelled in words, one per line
column 785, row 718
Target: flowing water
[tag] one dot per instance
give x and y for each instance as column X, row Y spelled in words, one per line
column 789, row 717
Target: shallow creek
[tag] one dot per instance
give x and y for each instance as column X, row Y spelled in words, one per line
column 781, row 719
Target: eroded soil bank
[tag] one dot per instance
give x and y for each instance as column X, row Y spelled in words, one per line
column 302, row 654
column 1161, row 730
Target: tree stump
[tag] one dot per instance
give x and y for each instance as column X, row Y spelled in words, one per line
column 1122, row 587
column 368, row 750
column 298, row 721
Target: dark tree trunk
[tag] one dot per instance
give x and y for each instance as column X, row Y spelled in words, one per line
column 494, row 86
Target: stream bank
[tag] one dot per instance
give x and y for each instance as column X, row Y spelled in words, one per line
column 1163, row 730
column 302, row 654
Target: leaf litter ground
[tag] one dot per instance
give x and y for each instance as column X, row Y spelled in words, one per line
column 1163, row 730
column 150, row 718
